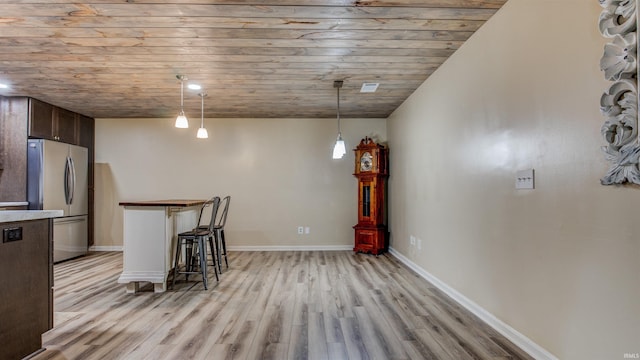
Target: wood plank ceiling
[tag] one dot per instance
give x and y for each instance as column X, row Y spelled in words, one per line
column 254, row 58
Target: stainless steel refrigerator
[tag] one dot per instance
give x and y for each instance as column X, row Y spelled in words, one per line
column 57, row 179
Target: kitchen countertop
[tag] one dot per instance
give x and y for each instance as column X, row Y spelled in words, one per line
column 23, row 215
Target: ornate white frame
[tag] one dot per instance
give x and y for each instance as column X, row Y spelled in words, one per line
column 619, row 103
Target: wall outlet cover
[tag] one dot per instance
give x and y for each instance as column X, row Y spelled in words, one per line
column 525, row 179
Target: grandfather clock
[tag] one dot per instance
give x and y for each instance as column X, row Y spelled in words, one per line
column 371, row 170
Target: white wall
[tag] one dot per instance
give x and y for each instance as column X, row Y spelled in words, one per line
column 561, row 263
column 279, row 173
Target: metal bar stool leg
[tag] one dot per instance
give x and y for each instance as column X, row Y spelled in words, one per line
column 175, row 264
column 224, row 247
column 218, row 250
column 202, row 255
column 188, row 260
column 213, row 256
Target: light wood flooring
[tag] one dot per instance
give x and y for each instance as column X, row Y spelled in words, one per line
column 267, row 305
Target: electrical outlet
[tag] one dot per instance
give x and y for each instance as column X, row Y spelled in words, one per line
column 300, row 230
column 412, row 239
column 419, row 244
column 307, row 230
column 12, row 234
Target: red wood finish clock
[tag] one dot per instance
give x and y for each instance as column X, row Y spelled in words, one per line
column 371, row 170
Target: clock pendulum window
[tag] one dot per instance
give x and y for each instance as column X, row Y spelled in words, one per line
column 371, row 170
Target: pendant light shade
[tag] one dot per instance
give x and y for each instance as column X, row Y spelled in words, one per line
column 339, row 148
column 202, row 132
column 181, row 120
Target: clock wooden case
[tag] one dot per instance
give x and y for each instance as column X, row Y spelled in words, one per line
column 371, row 170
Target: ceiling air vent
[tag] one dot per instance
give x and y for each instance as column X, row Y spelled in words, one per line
column 369, row 87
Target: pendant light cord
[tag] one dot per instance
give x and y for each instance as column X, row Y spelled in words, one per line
column 339, row 111
column 182, row 95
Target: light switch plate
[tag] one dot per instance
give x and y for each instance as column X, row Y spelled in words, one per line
column 525, row 179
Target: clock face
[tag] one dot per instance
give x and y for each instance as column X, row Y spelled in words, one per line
column 366, row 162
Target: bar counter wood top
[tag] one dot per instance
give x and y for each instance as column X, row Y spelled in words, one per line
column 172, row 203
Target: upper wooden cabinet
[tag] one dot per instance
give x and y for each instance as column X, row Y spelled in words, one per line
column 40, row 119
column 86, row 129
column 51, row 122
column 65, row 125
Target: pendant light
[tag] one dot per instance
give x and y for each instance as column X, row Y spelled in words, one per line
column 339, row 149
column 202, row 132
column 181, row 120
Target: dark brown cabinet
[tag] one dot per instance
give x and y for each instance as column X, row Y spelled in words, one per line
column 86, row 130
column 51, row 122
column 26, row 296
column 13, row 149
column 86, row 138
column 40, row 119
column 65, row 125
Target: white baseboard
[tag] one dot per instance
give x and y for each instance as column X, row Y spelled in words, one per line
column 147, row 276
column 524, row 343
column 291, row 248
column 105, row 248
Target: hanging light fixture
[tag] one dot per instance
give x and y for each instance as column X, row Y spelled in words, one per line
column 181, row 120
column 202, row 132
column 339, row 149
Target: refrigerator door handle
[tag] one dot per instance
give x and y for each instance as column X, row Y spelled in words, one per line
column 67, row 170
column 73, row 180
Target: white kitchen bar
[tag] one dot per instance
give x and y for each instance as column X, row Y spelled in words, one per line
column 149, row 238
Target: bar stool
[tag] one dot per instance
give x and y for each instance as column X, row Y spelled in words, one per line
column 218, row 229
column 218, row 234
column 196, row 237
